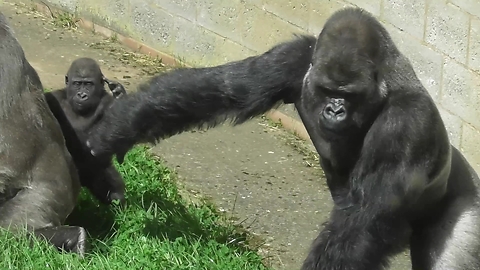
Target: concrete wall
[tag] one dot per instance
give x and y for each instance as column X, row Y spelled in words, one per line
column 442, row 39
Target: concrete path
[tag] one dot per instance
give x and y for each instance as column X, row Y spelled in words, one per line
column 261, row 175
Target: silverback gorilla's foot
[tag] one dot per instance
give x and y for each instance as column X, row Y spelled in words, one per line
column 65, row 238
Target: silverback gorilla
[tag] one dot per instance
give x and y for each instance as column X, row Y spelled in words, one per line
column 39, row 185
column 394, row 177
column 78, row 107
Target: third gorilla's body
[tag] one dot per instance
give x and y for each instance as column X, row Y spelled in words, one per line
column 39, row 185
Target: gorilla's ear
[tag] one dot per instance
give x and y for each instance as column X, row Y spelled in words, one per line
column 66, row 79
column 305, row 77
column 381, row 84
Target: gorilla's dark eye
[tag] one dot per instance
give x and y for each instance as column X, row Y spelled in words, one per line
column 330, row 92
column 327, row 91
column 76, row 83
column 336, row 93
column 375, row 76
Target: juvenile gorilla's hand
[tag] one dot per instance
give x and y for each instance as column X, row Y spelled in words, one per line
column 117, row 88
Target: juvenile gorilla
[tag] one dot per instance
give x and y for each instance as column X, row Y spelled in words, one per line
column 39, row 185
column 393, row 175
column 79, row 107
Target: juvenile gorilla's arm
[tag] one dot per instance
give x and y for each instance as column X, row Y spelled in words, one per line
column 193, row 97
column 73, row 143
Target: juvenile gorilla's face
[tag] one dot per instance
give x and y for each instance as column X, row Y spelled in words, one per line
column 342, row 97
column 84, row 94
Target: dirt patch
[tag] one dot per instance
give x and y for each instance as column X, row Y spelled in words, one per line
column 258, row 174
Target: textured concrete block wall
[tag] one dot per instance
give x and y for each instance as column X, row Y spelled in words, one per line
column 441, row 37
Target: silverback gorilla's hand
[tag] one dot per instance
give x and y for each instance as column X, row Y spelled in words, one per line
column 104, row 142
column 117, row 88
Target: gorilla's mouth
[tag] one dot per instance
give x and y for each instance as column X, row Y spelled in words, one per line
column 334, row 127
column 81, row 105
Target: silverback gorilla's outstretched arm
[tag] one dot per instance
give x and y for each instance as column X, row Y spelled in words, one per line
column 194, row 97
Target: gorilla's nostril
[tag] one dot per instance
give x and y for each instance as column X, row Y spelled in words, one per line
column 340, row 111
column 336, row 110
column 333, row 111
column 329, row 110
column 82, row 96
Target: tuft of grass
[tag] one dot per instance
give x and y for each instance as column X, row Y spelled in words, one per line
column 157, row 229
column 114, row 37
column 65, row 20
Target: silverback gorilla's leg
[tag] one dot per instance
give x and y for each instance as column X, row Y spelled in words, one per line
column 449, row 237
column 44, row 203
column 39, row 184
column 188, row 98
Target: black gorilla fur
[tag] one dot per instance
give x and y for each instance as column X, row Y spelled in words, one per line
column 78, row 108
column 394, row 177
column 39, row 185
column 205, row 97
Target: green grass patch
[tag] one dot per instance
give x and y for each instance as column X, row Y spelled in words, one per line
column 65, row 20
column 157, row 229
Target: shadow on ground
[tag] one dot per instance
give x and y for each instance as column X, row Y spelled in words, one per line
column 155, row 209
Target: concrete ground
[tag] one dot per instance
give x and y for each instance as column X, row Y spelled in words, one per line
column 260, row 175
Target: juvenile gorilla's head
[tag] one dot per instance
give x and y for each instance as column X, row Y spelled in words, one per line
column 85, row 88
column 344, row 88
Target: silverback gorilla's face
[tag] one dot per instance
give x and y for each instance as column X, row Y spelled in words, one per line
column 343, row 96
